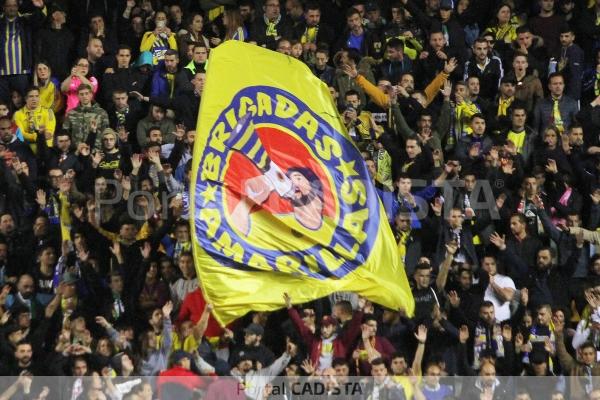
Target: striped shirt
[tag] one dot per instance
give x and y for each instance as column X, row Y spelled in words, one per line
column 11, row 62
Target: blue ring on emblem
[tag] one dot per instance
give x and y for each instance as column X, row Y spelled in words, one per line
column 340, row 236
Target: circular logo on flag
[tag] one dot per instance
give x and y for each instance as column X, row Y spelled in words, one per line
column 280, row 189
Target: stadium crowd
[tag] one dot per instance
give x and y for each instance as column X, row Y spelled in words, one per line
column 478, row 120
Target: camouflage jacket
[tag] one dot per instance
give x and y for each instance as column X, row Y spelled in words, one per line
column 77, row 122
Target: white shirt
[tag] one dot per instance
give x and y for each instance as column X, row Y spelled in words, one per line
column 501, row 307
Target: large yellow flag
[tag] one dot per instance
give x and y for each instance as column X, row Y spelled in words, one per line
column 281, row 200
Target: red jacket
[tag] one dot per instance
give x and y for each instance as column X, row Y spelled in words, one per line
column 314, row 341
column 192, row 309
column 179, row 377
column 383, row 347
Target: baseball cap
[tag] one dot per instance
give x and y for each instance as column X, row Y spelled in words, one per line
column 180, row 355
column 68, row 278
column 446, row 5
column 327, row 320
column 508, row 78
column 255, row 329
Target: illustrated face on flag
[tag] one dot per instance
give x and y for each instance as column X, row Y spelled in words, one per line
column 281, row 199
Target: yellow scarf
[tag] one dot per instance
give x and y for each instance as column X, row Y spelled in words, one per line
column 310, row 35
column 402, row 244
column 503, row 105
column 171, row 80
column 556, row 117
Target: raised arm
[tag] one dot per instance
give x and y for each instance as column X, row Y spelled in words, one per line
column 421, row 337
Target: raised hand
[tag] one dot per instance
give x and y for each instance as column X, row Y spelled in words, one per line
column 136, row 161
column 116, row 249
column 453, row 298
column 524, row 296
column 308, row 366
column 167, row 309
column 451, row 247
column 40, row 198
column 498, row 241
column 97, row 158
column 288, row 300
column 93, row 124
column 507, row 167
column 350, row 70
column 519, row 340
column 450, row 65
column 595, row 196
column 179, row 132
column 146, row 250
column 4, row 294
column 4, row 318
column 291, row 349
column 65, row 248
column 507, row 333
column 100, row 320
column 463, row 334
column 436, row 206
column 154, row 157
column 447, row 89
column 500, row 201
column 551, row 166
column 538, row 203
column 421, row 334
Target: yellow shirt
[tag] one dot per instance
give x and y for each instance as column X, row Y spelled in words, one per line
column 404, row 381
column 518, row 139
column 29, row 121
column 50, row 97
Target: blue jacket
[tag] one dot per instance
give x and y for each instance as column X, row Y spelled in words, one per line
column 25, row 24
column 160, row 84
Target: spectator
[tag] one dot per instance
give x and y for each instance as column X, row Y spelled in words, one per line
column 80, row 74
column 266, row 31
column 558, row 110
column 56, row 43
column 234, row 25
column 34, row 120
column 17, row 45
column 50, row 95
column 547, row 25
column 87, row 117
column 160, row 39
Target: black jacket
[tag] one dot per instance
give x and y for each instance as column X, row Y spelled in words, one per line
column 258, row 32
column 489, row 78
column 56, row 46
column 324, row 33
column 25, row 26
column 128, row 79
column 371, row 45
